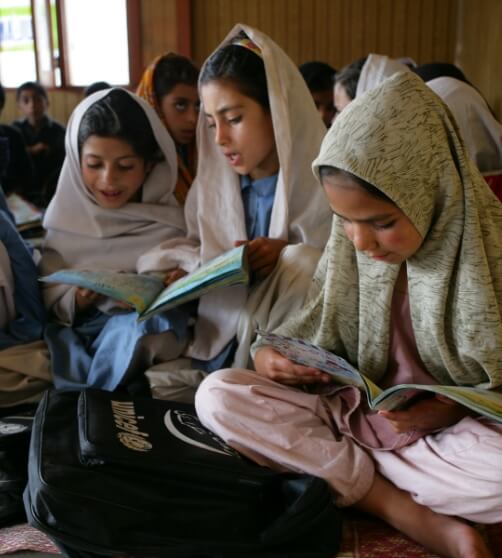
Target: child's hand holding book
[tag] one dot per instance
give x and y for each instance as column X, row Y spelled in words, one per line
column 272, row 365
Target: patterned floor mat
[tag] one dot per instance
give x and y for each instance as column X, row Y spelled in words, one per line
column 363, row 537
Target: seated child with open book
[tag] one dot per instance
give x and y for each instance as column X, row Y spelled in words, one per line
column 258, row 136
column 24, row 362
column 114, row 201
column 409, row 290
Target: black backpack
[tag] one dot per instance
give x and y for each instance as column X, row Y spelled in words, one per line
column 111, row 475
column 15, row 430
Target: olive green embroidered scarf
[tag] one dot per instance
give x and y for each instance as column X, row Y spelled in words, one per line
column 401, row 138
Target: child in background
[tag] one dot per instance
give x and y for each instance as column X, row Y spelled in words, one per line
column 114, row 202
column 170, row 86
column 361, row 76
column 44, row 138
column 24, row 361
column 259, row 132
column 409, row 290
column 95, row 87
column 320, row 79
column 16, row 169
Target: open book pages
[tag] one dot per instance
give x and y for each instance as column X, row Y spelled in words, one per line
column 139, row 291
column 25, row 214
column 482, row 401
column 229, row 268
column 147, row 293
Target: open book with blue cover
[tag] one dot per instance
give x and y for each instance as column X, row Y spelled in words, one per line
column 148, row 294
column 482, row 401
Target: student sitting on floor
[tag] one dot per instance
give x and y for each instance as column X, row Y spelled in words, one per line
column 259, row 133
column 44, row 138
column 409, row 290
column 113, row 203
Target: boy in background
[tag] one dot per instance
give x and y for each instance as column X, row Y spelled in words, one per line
column 44, row 138
column 16, row 170
column 320, row 78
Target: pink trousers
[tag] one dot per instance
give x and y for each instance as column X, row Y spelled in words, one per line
column 457, row 471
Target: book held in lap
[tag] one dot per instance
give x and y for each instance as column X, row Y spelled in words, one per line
column 148, row 295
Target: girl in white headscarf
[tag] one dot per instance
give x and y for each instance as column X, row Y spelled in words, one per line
column 409, row 290
column 113, row 203
column 361, row 76
column 257, row 134
column 481, row 132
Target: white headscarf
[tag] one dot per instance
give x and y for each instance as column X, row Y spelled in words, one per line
column 480, row 131
column 401, row 139
column 214, row 210
column 375, row 70
column 83, row 235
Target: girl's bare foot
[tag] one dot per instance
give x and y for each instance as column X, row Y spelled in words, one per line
column 445, row 535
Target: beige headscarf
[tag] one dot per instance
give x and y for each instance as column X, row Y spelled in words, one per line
column 214, row 210
column 375, row 70
column 480, row 130
column 401, row 138
column 83, row 235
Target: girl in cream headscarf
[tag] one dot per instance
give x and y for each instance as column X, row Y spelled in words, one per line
column 257, row 135
column 24, row 360
column 113, row 203
column 361, row 76
column 409, row 290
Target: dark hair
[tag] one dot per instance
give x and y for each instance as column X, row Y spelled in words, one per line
column 435, row 70
column 118, row 115
column 171, row 70
column 31, row 86
column 96, row 86
column 240, row 66
column 2, row 97
column 318, row 76
column 349, row 75
column 327, row 170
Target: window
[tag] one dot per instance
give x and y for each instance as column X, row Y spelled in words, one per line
column 66, row 43
column 17, row 46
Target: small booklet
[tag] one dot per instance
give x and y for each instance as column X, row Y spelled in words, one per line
column 26, row 215
column 484, row 402
column 148, row 294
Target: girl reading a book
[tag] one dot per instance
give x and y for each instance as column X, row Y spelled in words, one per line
column 258, row 133
column 114, row 201
column 169, row 85
column 22, row 319
column 409, row 290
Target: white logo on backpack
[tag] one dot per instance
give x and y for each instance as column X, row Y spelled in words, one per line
column 126, row 421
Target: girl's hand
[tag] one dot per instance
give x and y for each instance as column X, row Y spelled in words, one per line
column 272, row 365
column 85, row 298
column 174, row 275
column 263, row 253
column 433, row 413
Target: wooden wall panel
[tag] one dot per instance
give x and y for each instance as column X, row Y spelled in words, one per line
column 479, row 47
column 336, row 31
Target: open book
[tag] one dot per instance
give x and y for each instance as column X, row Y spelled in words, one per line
column 484, row 402
column 148, row 294
column 26, row 215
